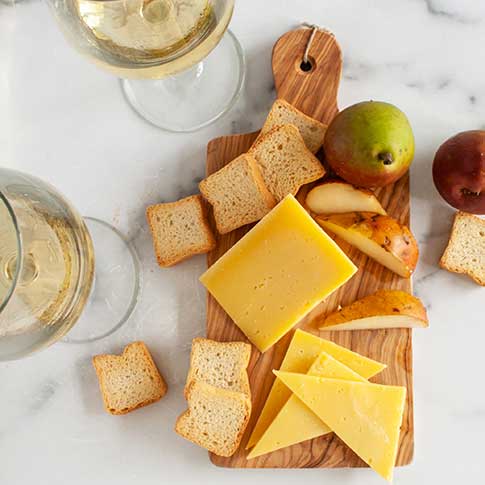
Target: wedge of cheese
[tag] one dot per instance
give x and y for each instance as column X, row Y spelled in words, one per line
column 304, row 348
column 366, row 417
column 296, row 422
column 277, row 273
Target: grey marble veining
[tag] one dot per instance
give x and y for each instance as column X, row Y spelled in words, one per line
column 66, row 121
column 450, row 11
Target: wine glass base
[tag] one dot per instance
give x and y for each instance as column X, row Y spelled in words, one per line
column 194, row 98
column 116, row 285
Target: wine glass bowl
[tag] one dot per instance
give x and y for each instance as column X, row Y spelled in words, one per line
column 46, row 265
column 58, row 269
column 169, row 53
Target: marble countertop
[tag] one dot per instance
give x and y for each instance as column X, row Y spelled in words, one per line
column 65, row 121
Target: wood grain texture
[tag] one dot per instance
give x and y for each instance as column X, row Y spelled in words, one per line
column 315, row 93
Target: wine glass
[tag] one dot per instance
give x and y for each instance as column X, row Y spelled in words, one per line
column 57, row 269
column 178, row 69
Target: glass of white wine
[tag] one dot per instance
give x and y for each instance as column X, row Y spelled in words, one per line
column 57, row 269
column 179, row 68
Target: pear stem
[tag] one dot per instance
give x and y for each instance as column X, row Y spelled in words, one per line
column 386, row 158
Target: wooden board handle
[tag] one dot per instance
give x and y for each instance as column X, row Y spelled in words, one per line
column 313, row 91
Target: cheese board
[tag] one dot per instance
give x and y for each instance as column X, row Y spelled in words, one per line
column 312, row 87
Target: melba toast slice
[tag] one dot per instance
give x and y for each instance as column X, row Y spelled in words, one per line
column 283, row 113
column 216, row 418
column 285, row 161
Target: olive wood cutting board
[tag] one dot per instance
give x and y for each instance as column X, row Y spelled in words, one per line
column 314, row 92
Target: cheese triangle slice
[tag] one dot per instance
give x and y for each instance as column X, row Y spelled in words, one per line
column 367, row 417
column 302, row 352
column 296, row 422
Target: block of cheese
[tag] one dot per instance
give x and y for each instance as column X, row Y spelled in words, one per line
column 366, row 417
column 302, row 352
column 296, row 422
column 278, row 272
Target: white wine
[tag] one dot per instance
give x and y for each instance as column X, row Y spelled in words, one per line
column 46, row 279
column 148, row 39
column 145, row 30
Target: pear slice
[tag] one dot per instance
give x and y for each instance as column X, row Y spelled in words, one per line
column 382, row 238
column 336, row 197
column 383, row 309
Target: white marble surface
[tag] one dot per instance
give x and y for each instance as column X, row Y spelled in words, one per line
column 66, row 121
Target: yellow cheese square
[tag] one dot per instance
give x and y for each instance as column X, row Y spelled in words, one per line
column 277, row 273
column 296, row 422
column 366, row 417
column 303, row 350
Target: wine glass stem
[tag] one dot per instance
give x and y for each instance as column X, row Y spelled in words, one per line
column 30, row 269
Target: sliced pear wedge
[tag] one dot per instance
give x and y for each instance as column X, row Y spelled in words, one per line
column 382, row 238
column 383, row 309
column 336, row 197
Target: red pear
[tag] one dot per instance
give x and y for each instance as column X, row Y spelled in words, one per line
column 459, row 171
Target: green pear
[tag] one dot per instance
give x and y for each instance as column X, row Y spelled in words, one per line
column 370, row 144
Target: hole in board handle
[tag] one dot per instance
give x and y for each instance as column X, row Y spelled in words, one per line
column 305, row 67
